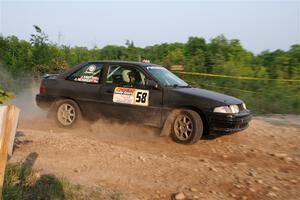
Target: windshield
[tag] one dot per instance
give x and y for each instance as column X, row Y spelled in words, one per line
column 166, row 78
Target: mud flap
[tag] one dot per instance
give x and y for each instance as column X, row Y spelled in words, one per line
column 166, row 130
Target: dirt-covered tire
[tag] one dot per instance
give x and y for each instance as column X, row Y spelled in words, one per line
column 187, row 127
column 67, row 113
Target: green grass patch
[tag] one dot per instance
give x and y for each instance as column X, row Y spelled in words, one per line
column 23, row 183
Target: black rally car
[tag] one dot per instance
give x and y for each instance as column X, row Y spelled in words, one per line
column 143, row 93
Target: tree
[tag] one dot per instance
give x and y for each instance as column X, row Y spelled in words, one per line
column 219, row 55
column 40, row 38
column 193, row 45
column 40, row 52
column 293, row 69
column 175, row 57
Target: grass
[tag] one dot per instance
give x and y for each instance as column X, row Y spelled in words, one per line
column 116, row 195
column 23, row 183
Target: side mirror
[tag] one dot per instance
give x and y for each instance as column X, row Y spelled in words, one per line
column 151, row 84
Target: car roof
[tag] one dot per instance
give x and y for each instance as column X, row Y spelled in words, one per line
column 76, row 67
column 142, row 64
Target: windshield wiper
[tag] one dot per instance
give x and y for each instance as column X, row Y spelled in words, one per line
column 185, row 86
column 176, row 85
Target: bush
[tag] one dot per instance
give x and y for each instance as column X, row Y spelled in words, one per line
column 4, row 96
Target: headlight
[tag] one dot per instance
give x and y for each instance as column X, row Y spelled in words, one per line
column 244, row 106
column 227, row 109
column 222, row 109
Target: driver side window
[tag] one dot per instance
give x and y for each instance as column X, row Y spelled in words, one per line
column 125, row 76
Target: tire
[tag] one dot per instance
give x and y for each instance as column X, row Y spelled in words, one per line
column 67, row 113
column 187, row 127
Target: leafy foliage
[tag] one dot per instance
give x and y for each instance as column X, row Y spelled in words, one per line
column 218, row 56
column 4, row 96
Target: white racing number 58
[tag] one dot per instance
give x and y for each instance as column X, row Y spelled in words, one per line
column 142, row 97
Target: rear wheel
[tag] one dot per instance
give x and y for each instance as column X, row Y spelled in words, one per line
column 187, row 127
column 67, row 113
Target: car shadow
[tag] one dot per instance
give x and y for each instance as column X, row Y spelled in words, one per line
column 213, row 136
column 19, row 141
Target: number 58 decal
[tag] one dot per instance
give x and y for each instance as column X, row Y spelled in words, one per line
column 131, row 96
column 142, row 97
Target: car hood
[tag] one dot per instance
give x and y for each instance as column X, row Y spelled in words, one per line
column 210, row 95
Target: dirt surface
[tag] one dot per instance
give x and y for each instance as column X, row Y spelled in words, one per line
column 262, row 162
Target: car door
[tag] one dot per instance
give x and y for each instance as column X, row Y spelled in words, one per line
column 83, row 86
column 127, row 97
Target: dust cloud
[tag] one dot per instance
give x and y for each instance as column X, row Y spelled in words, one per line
column 25, row 100
column 107, row 129
column 32, row 117
column 24, row 89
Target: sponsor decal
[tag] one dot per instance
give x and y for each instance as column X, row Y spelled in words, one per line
column 90, row 75
column 88, row 79
column 131, row 96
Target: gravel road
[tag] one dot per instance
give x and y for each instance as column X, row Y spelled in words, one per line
column 262, row 162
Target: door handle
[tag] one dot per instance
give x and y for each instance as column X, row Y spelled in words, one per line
column 109, row 91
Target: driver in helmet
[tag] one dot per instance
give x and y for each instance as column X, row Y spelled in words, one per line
column 133, row 78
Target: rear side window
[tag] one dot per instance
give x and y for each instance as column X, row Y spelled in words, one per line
column 89, row 73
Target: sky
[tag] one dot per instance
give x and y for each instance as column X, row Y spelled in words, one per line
column 259, row 25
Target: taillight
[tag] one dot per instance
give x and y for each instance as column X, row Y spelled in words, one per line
column 42, row 89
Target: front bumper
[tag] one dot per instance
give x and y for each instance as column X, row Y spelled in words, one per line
column 219, row 122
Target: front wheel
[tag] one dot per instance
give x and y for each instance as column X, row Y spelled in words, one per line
column 187, row 127
column 67, row 113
